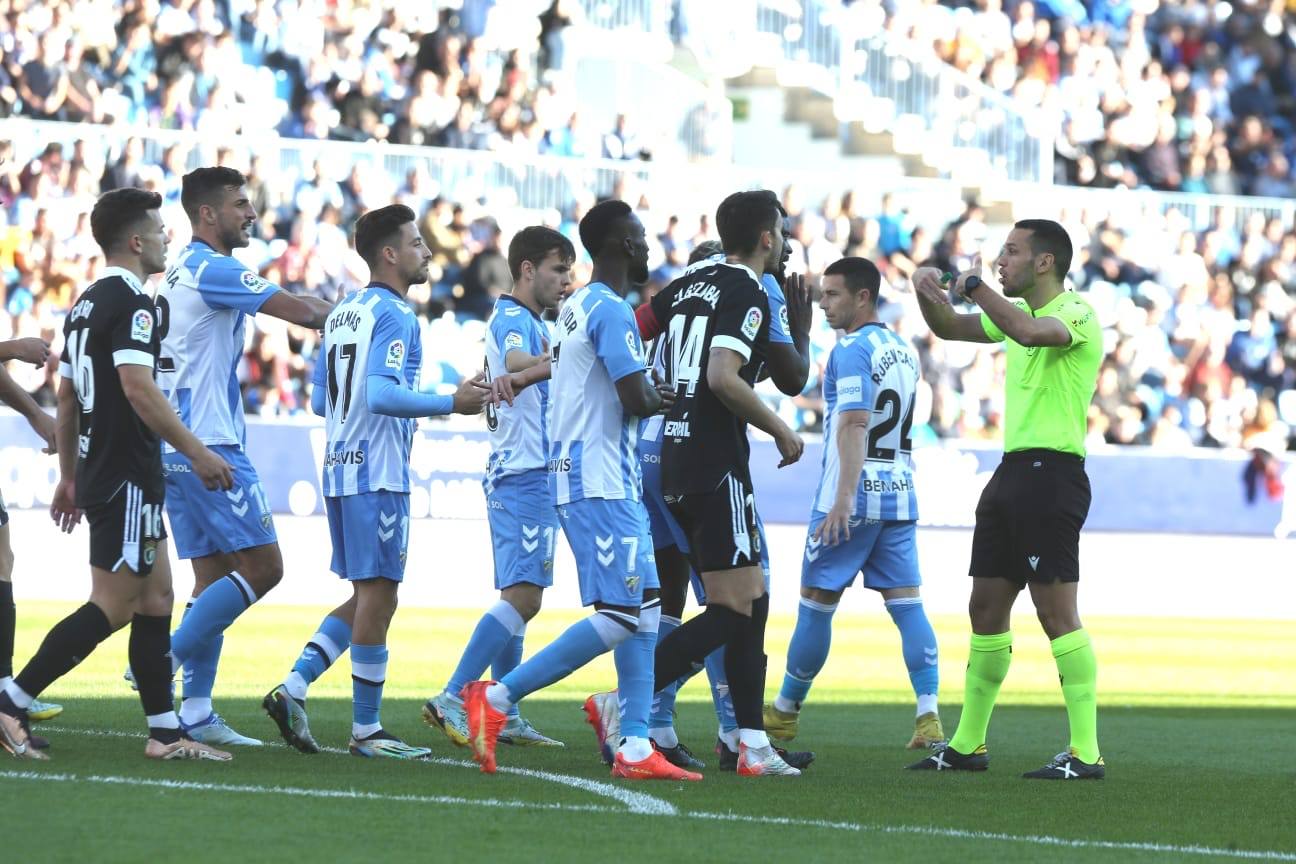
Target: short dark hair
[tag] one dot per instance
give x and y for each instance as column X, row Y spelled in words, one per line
column 534, row 244
column 743, row 216
column 858, row 274
column 374, row 229
column 597, row 225
column 705, row 249
column 119, row 211
column 1048, row 236
column 203, row 186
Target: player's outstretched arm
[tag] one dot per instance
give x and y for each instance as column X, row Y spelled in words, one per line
column 28, row 349
column 63, row 509
column 157, row 414
column 21, row 401
column 723, row 365
column 852, row 437
column 940, row 316
column 1018, row 325
column 789, row 365
column 298, row 309
column 385, row 395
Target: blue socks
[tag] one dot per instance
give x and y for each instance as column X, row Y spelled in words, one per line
column 576, row 646
column 492, row 634
column 663, row 703
column 200, row 668
column 507, row 660
column 918, row 642
column 329, row 643
column 806, row 654
column 720, row 698
column 211, row 615
column 368, row 674
column 634, row 665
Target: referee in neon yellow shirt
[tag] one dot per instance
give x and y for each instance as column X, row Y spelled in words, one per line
column 1029, row 517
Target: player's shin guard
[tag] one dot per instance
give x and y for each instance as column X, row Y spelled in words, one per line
column 634, row 665
column 987, row 667
column 8, row 625
column 368, row 675
column 918, row 643
column 326, row 647
column 150, row 661
column 745, row 666
column 1078, row 672
column 491, row 635
column 693, row 640
column 67, row 644
column 807, row 653
column 212, row 613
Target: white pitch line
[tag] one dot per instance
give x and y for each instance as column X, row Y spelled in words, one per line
column 778, row 821
column 636, row 802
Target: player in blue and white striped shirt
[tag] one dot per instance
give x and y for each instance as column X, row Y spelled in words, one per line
column 366, row 387
column 864, row 515
column 599, row 392
column 523, row 522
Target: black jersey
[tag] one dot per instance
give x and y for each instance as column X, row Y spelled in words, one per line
column 114, row 323
column 713, row 305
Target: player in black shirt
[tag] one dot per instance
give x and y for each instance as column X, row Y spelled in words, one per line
column 716, row 325
column 110, row 415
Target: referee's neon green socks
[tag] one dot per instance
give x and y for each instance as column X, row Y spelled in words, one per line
column 1078, row 672
column 987, row 667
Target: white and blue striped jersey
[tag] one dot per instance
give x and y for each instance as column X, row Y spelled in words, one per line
column 372, row 332
column 873, row 369
column 592, row 439
column 202, row 307
column 519, row 435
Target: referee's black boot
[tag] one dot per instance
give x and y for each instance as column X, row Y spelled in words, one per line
column 946, row 758
column 1067, row 766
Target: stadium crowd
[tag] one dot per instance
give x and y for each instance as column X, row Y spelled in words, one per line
column 1200, row 326
column 1192, row 96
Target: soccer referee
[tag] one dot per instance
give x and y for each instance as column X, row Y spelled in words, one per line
column 1029, row 517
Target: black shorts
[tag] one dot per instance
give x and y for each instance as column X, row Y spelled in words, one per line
column 720, row 525
column 1029, row 518
column 127, row 530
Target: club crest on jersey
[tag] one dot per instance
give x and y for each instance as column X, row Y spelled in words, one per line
column 751, row 324
column 396, row 354
column 513, row 340
column 632, row 582
column 253, row 282
column 142, row 326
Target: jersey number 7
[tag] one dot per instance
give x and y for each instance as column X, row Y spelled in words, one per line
column 344, row 354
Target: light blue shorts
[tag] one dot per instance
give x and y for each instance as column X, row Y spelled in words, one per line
column 613, row 550
column 370, row 533
column 885, row 552
column 204, row 522
column 524, row 528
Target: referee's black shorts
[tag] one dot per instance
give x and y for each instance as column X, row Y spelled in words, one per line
column 1029, row 518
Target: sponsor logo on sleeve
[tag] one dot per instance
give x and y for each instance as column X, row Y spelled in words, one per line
column 783, row 319
column 513, row 340
column 142, row 326
column 751, row 324
column 632, row 342
column 253, row 282
column 849, row 389
column 396, row 354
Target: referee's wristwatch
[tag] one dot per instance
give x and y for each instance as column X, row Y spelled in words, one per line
column 970, row 284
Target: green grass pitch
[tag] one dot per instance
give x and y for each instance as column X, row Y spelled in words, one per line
column 1196, row 723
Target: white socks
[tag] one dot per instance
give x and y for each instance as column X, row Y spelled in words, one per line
column 664, row 736
column 926, row 704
